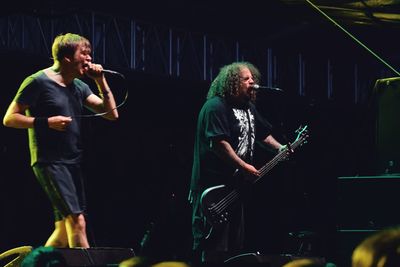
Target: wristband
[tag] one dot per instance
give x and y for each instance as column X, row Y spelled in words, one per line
column 41, row 123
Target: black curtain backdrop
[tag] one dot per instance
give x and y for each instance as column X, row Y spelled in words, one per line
column 138, row 168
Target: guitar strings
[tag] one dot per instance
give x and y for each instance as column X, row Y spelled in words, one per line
column 269, row 166
column 224, row 202
column 266, row 168
column 232, row 196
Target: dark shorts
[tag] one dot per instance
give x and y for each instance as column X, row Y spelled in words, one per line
column 63, row 184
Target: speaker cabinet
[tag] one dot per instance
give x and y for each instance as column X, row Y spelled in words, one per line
column 98, row 256
column 387, row 99
column 368, row 202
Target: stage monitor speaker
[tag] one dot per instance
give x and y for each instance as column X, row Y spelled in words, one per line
column 387, row 101
column 348, row 240
column 368, row 202
column 97, row 256
column 267, row 260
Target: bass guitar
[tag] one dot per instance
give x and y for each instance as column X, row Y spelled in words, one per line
column 219, row 201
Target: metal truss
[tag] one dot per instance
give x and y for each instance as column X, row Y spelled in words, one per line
column 127, row 44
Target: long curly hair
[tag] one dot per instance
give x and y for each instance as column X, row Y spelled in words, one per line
column 227, row 82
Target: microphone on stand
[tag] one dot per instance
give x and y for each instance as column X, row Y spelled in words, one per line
column 258, row 87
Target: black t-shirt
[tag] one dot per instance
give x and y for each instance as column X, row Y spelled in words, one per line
column 47, row 98
column 240, row 126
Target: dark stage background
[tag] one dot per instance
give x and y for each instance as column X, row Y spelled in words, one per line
column 138, row 168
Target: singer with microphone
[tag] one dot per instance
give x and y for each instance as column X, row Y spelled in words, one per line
column 49, row 103
column 228, row 127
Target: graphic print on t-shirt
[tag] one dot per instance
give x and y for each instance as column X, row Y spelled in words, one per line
column 246, row 125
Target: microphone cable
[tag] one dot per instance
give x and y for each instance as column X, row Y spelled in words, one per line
column 106, row 112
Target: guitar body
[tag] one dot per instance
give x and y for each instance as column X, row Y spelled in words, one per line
column 218, row 202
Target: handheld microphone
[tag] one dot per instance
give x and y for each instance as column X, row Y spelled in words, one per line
column 112, row 72
column 257, row 87
column 109, row 71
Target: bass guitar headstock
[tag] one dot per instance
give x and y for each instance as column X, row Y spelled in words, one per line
column 302, row 134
